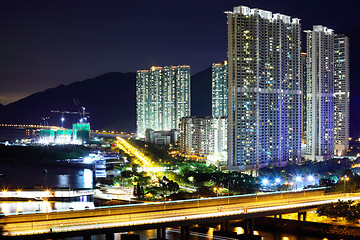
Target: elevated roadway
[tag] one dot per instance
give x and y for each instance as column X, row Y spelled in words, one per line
column 164, row 214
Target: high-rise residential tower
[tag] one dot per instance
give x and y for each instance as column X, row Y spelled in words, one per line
column 303, row 90
column 264, row 105
column 219, row 89
column 162, row 97
column 342, row 94
column 142, row 100
column 320, row 94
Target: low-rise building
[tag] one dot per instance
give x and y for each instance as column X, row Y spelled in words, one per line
column 204, row 137
column 161, row 137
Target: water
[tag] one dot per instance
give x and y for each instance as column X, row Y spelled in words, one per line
column 24, row 207
column 28, row 175
column 12, row 134
column 174, row 234
column 22, row 176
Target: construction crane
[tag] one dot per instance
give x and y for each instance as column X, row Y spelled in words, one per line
column 45, row 121
column 83, row 115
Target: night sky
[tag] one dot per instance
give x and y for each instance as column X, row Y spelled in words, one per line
column 47, row 43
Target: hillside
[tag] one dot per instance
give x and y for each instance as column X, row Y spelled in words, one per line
column 354, row 37
column 201, row 93
column 109, row 98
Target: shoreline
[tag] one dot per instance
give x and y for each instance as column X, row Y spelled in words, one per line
column 45, row 162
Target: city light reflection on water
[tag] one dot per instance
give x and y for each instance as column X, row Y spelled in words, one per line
column 8, row 208
column 37, row 182
column 175, row 235
column 88, row 178
column 30, row 176
column 211, row 231
column 239, row 230
column 63, row 180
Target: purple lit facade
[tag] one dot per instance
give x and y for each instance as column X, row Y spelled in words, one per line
column 264, row 74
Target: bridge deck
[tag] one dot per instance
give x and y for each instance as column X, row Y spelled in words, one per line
column 177, row 213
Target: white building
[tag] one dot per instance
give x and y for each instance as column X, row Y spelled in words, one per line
column 264, row 96
column 219, row 89
column 320, row 94
column 203, row 137
column 342, row 94
column 162, row 97
column 165, row 137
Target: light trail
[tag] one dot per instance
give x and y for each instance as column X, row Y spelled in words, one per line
column 113, row 220
column 131, row 150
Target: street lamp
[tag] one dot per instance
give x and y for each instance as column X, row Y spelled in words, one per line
column 311, row 178
column 277, row 180
column 298, row 180
column 277, row 184
column 265, row 181
column 217, row 191
column 345, row 179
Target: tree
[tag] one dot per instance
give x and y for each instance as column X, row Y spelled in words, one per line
column 341, row 209
column 138, row 191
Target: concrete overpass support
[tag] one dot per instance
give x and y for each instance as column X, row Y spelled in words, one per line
column 302, row 215
column 249, row 226
column 130, row 237
column 161, row 233
column 109, row 236
column 277, row 236
column 185, row 233
column 224, row 227
column 87, row 237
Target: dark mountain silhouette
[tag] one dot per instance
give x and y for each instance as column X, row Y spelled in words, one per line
column 354, row 37
column 109, row 98
column 201, row 93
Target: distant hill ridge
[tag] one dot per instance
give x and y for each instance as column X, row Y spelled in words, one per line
column 109, row 98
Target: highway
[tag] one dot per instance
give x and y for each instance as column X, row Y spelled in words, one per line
column 131, row 150
column 173, row 213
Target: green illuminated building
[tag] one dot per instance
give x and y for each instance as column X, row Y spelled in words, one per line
column 81, row 132
column 47, row 135
column 63, row 136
